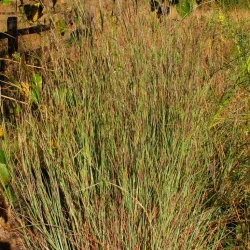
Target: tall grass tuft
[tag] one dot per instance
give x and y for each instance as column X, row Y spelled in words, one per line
column 132, row 145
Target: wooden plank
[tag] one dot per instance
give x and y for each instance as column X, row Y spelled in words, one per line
column 12, row 35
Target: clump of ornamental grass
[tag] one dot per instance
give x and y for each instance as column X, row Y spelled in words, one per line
column 139, row 140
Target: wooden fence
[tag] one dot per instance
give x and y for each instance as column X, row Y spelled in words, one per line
column 13, row 33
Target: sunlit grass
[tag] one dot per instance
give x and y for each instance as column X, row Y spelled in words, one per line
column 127, row 149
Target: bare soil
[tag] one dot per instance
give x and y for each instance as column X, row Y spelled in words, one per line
column 10, row 236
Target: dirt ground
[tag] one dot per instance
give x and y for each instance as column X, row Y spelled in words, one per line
column 10, row 236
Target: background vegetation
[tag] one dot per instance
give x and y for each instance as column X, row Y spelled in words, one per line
column 133, row 134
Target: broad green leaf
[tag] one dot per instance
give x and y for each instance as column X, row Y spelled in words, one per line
column 2, row 157
column 35, row 96
column 183, row 8
column 36, row 88
column 16, row 56
column 61, row 26
column 4, row 175
column 6, row 2
column 37, row 80
column 248, row 64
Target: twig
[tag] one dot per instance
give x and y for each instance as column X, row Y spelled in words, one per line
column 12, row 99
column 32, row 66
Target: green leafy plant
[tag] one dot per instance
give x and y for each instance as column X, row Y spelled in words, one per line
column 4, row 173
column 248, row 64
column 5, row 2
column 184, row 8
column 36, row 88
column 61, row 26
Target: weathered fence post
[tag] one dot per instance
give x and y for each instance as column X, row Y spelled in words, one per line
column 12, row 35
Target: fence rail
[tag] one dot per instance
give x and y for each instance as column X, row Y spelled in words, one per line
column 12, row 33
